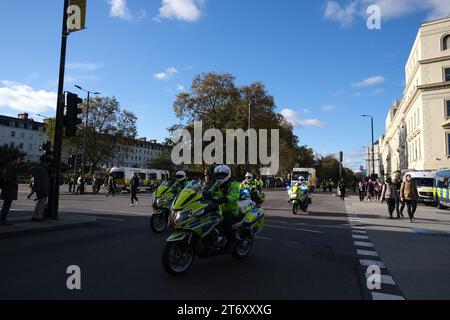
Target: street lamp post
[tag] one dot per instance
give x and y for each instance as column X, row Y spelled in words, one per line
column 373, row 142
column 85, row 129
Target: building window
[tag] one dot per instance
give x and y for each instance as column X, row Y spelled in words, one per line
column 21, row 146
column 446, row 42
column 448, row 143
column 13, row 134
column 447, row 74
column 447, row 108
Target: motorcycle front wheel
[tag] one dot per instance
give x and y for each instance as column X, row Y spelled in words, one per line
column 242, row 249
column 295, row 209
column 159, row 223
column 177, row 258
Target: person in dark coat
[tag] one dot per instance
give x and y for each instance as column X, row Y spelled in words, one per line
column 41, row 187
column 342, row 189
column 10, row 189
column 134, row 185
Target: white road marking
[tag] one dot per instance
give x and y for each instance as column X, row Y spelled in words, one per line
column 384, row 279
column 122, row 212
column 368, row 263
column 386, row 297
column 355, row 236
column 367, row 253
column 359, row 231
column 364, row 244
column 95, row 217
column 295, row 229
column 359, row 227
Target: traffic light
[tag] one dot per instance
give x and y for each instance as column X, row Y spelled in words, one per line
column 71, row 120
column 47, row 147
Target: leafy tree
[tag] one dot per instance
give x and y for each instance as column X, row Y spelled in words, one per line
column 8, row 153
column 111, row 132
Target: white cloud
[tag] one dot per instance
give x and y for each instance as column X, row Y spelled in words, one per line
column 293, row 117
column 24, row 98
column 306, row 111
column 84, row 66
column 346, row 14
column 328, row 107
column 184, row 10
column 166, row 75
column 343, row 14
column 180, row 88
column 369, row 82
column 119, row 9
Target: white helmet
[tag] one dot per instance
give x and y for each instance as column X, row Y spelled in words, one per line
column 180, row 176
column 222, row 174
column 249, row 176
column 302, row 179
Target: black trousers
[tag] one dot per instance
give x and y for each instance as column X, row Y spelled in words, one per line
column 412, row 207
column 5, row 209
column 362, row 195
column 400, row 206
column 134, row 196
column 228, row 221
column 391, row 204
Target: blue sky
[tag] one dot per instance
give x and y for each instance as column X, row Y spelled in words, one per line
column 318, row 58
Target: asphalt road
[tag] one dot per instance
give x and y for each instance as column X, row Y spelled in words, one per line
column 310, row 256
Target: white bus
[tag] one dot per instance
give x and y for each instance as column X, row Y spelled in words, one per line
column 148, row 178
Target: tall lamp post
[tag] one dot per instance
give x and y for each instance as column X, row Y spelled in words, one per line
column 373, row 142
column 86, row 128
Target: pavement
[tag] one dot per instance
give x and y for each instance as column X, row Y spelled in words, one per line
column 417, row 255
column 305, row 257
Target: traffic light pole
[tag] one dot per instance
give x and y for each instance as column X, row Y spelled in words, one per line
column 57, row 151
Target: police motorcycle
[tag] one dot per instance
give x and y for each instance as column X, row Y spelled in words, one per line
column 199, row 230
column 163, row 199
column 299, row 197
column 256, row 194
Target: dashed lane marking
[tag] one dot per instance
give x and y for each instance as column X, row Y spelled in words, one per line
column 363, row 244
column 367, row 253
column 355, row 236
column 369, row 263
column 386, row 297
column 294, row 229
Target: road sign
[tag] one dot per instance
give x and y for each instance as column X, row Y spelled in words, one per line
column 76, row 15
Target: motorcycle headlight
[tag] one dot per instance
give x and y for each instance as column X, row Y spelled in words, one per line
column 180, row 216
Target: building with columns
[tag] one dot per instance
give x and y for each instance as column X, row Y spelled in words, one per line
column 417, row 133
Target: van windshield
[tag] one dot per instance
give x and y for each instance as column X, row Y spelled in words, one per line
column 424, row 182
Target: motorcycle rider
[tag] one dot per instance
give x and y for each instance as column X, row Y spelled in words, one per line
column 305, row 184
column 248, row 182
column 180, row 181
column 226, row 193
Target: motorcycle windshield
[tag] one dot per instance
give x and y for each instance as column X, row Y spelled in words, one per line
column 190, row 194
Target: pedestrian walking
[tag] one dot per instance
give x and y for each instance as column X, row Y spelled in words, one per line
column 94, row 184
column 389, row 194
column 134, row 189
column 79, row 183
column 361, row 190
column 377, row 187
column 10, row 189
column 370, row 190
column 399, row 205
column 111, row 186
column 41, row 187
column 342, row 189
column 71, row 183
column 409, row 195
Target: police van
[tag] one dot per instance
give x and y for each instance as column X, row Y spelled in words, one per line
column 441, row 190
column 424, row 181
column 148, row 178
